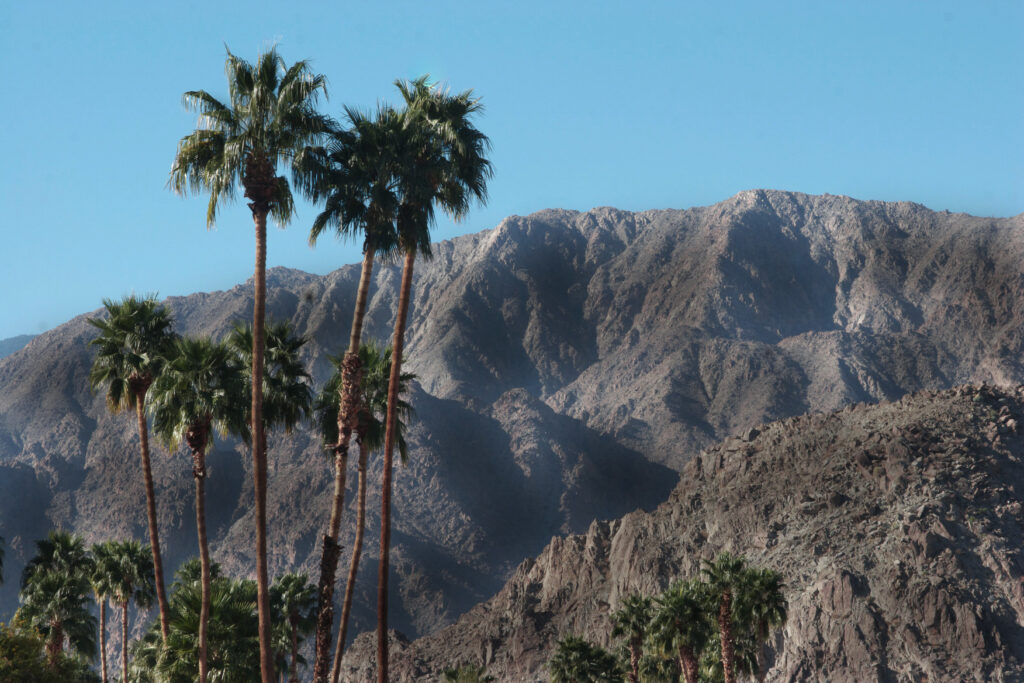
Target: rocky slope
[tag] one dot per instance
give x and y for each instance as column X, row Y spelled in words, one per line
column 569, row 366
column 898, row 528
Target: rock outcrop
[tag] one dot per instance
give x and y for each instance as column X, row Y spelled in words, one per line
column 898, row 529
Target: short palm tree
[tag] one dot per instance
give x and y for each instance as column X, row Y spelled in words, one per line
column 355, row 177
column 134, row 339
column 202, row 389
column 765, row 607
column 102, row 580
column 726, row 576
column 133, row 582
column 55, row 594
column 680, row 625
column 269, row 118
column 441, row 161
column 294, row 600
column 632, row 621
column 579, row 661
column 467, row 673
column 376, row 370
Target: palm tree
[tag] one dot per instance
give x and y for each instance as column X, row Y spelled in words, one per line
column 294, row 598
column 680, row 625
column 467, row 673
column 726, row 576
column 102, row 580
column 270, row 117
column 764, row 607
column 133, row 582
column 632, row 620
column 55, row 593
column 133, row 342
column 579, row 661
column 355, row 177
column 201, row 389
column 441, row 162
column 376, row 365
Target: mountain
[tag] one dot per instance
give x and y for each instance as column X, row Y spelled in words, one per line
column 570, row 366
column 897, row 527
column 12, row 344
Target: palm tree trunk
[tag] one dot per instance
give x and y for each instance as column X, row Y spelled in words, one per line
column 762, row 654
column 389, row 447
column 154, row 537
column 725, row 629
column 103, row 636
column 124, row 641
column 688, row 664
column 199, row 473
column 348, row 411
column 295, row 652
column 259, row 454
column 357, row 550
column 634, row 661
column 55, row 645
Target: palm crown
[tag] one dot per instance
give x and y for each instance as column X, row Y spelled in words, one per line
column 286, row 393
column 269, row 117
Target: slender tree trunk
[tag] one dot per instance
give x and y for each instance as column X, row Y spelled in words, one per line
column 199, row 473
column 259, row 454
column 103, row 636
column 357, row 550
column 725, row 629
column 762, row 654
column 154, row 536
column 55, row 645
column 295, row 652
column 389, row 447
column 634, row 661
column 124, row 641
column 348, row 411
column 688, row 664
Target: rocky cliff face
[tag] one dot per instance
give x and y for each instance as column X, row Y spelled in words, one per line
column 570, row 364
column 898, row 529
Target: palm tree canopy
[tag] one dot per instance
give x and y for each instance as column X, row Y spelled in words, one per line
column 633, row 618
column 59, row 595
column 763, row 603
column 355, row 176
column 104, row 569
column 287, row 397
column 133, row 577
column 59, row 552
column 579, row 661
column 681, row 618
column 376, row 364
column 269, row 117
column 134, row 339
column 202, row 386
column 444, row 162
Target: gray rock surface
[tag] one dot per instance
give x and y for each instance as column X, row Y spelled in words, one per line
column 570, row 365
column 12, row 344
column 897, row 527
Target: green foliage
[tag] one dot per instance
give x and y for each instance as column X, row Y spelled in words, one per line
column 133, row 341
column 201, row 388
column 23, row 658
column 467, row 673
column 132, row 579
column 287, row 397
column 376, row 364
column 579, row 661
column 293, row 611
column 270, row 117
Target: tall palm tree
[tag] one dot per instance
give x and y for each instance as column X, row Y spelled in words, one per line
column 680, row 625
column 765, row 608
column 441, row 161
column 294, row 599
column 201, row 389
column 376, row 365
column 726, row 576
column 55, row 593
column 355, row 177
column 133, row 582
column 134, row 339
column 102, row 580
column 632, row 621
column 269, row 118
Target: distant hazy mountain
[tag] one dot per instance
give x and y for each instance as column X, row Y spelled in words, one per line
column 570, row 364
column 12, row 344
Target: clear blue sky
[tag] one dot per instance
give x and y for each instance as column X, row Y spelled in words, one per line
column 635, row 105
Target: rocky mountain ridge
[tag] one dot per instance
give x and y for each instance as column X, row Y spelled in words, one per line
column 898, row 528
column 570, row 364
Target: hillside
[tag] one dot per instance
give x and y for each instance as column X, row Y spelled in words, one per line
column 898, row 528
column 570, row 365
